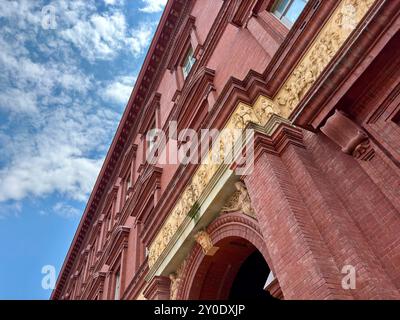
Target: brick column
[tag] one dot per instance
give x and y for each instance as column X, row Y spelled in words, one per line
column 158, row 289
column 342, row 236
column 301, row 260
column 308, row 232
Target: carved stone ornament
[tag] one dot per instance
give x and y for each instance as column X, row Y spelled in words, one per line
column 349, row 136
column 175, row 281
column 175, row 278
column 204, row 240
column 240, row 201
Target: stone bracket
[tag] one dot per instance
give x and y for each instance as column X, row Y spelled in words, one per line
column 348, row 135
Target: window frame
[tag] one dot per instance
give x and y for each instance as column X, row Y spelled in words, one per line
column 282, row 16
column 188, row 62
column 150, row 143
column 128, row 183
column 117, row 284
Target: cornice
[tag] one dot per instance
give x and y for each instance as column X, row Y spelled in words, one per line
column 243, row 12
column 156, row 286
column 276, row 142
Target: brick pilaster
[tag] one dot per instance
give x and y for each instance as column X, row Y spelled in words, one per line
column 309, row 233
column 341, row 235
column 302, row 262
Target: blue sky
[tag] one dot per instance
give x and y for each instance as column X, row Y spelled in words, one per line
column 66, row 73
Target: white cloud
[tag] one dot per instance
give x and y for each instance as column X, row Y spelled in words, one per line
column 101, row 37
column 104, row 36
column 119, row 90
column 152, row 6
column 23, row 12
column 113, row 2
column 7, row 210
column 66, row 211
column 140, row 38
column 24, row 83
column 58, row 157
column 54, row 128
column 16, row 100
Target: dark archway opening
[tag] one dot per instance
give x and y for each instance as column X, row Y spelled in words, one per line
column 236, row 271
column 250, row 279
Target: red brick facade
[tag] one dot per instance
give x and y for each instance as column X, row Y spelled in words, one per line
column 325, row 188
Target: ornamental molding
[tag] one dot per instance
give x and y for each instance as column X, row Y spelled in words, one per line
column 187, row 35
column 149, row 115
column 199, row 88
column 245, row 9
column 205, row 242
column 176, row 280
column 145, row 192
column 128, row 160
column 118, row 242
column 352, row 139
column 109, row 201
column 323, row 49
column 96, row 285
column 239, row 201
column 149, row 75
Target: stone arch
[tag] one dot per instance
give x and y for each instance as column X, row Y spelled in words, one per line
column 226, row 226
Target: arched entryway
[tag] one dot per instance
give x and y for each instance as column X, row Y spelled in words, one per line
column 250, row 279
column 229, row 275
column 238, row 270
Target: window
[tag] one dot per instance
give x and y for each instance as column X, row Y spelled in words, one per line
column 151, row 138
column 128, row 184
column 288, row 10
column 128, row 180
column 109, row 222
column 188, row 62
column 117, row 285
